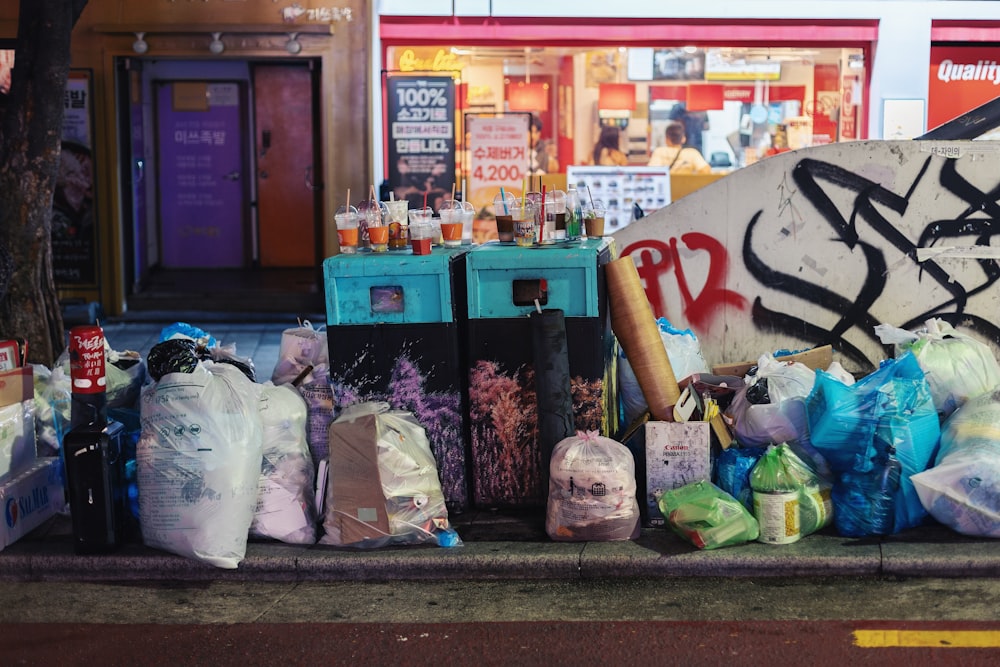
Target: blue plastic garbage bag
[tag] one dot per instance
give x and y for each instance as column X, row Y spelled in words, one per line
column 855, row 426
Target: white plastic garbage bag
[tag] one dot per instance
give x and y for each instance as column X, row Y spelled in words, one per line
column 199, row 461
column 286, row 504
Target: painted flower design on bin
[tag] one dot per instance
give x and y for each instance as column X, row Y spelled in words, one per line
column 504, row 420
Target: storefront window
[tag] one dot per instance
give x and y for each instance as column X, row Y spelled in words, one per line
column 737, row 105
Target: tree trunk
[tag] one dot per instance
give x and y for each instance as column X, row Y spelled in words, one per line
column 30, row 137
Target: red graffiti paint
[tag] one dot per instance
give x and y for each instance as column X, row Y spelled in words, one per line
column 655, row 258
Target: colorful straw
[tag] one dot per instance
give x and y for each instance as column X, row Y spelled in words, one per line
column 541, row 225
column 503, row 196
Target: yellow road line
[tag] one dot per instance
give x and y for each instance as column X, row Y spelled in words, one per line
column 927, row 638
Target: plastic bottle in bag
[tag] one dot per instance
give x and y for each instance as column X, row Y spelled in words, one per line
column 865, row 502
column 775, row 500
column 574, row 213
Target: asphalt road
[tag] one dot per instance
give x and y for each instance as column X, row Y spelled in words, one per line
column 590, row 622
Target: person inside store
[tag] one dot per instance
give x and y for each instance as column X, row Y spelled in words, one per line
column 606, row 151
column 679, row 158
column 695, row 122
column 543, row 151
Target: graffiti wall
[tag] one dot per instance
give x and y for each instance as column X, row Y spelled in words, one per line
column 820, row 245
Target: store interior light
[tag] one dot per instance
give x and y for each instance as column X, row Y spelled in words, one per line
column 139, row 45
column 618, row 96
column 528, row 97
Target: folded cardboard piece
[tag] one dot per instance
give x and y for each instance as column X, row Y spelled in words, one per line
column 816, row 358
column 356, row 502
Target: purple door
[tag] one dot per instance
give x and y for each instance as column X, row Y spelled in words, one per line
column 200, row 175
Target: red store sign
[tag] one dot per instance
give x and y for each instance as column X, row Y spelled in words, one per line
column 961, row 79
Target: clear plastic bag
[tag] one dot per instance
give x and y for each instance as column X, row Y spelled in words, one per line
column 962, row 489
column 302, row 348
column 770, row 408
column 199, row 460
column 52, row 407
column 591, row 490
column 957, row 366
column 684, row 353
column 406, row 478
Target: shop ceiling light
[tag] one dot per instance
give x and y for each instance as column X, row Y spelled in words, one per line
column 139, row 45
column 616, row 96
column 528, row 97
column 216, row 46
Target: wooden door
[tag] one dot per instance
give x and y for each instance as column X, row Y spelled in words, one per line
column 287, row 177
column 201, row 158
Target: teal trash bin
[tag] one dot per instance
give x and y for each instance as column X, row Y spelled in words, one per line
column 504, row 282
column 396, row 333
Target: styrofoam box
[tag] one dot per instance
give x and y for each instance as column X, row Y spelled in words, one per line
column 30, row 497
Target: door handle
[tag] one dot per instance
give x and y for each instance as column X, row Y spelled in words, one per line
column 309, row 183
column 265, row 142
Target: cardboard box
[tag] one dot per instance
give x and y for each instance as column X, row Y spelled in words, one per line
column 31, row 497
column 16, row 386
column 816, row 358
column 677, row 453
column 355, row 486
column 17, row 421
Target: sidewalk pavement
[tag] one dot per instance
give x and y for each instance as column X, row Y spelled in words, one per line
column 496, row 544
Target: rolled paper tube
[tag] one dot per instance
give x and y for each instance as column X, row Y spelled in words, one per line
column 633, row 322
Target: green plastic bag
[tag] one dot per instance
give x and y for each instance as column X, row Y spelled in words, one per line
column 707, row 517
column 781, row 470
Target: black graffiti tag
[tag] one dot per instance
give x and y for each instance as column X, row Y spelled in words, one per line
column 854, row 311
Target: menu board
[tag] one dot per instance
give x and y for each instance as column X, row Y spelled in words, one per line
column 421, row 117
column 620, row 188
column 498, row 156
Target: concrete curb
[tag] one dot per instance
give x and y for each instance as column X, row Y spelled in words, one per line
column 931, row 551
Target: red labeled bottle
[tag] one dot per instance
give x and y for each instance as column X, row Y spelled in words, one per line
column 89, row 386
